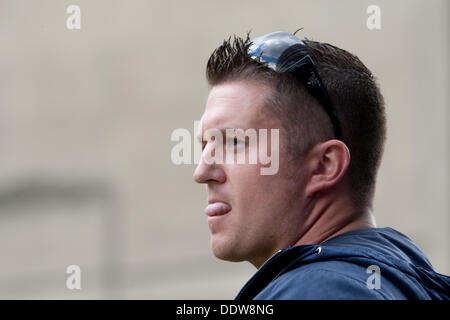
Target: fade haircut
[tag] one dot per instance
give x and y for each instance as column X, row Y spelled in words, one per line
column 352, row 89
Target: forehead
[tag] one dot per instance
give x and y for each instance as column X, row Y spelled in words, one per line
column 237, row 105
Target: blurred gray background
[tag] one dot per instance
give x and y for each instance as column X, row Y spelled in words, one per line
column 86, row 116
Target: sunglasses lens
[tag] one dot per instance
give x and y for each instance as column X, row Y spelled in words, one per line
column 270, row 47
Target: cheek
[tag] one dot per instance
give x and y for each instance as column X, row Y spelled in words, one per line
column 253, row 192
column 243, row 178
column 247, row 189
column 270, row 194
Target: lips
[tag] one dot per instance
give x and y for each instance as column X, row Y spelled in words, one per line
column 217, row 208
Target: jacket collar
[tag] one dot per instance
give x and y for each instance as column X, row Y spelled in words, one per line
column 272, row 268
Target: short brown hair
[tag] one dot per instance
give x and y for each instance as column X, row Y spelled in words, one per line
column 352, row 88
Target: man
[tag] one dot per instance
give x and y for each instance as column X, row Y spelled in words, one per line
column 308, row 228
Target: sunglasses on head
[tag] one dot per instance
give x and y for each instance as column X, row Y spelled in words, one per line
column 284, row 52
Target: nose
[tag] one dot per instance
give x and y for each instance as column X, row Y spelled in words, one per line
column 205, row 173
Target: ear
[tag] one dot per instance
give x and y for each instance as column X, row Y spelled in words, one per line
column 328, row 163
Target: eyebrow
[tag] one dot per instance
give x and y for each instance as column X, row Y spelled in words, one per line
column 223, row 131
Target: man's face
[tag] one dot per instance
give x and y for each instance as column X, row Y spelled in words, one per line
column 266, row 210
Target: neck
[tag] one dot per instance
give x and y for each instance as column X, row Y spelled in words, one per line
column 327, row 216
column 331, row 217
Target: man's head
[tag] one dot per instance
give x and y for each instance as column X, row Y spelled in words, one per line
column 271, row 212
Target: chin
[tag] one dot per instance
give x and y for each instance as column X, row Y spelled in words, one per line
column 224, row 250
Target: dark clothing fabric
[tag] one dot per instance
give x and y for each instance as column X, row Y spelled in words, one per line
column 339, row 269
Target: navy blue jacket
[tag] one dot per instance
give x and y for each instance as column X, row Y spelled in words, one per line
column 339, row 269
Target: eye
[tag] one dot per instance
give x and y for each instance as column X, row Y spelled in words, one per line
column 203, row 144
column 233, row 141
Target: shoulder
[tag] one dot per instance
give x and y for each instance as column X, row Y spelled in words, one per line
column 328, row 280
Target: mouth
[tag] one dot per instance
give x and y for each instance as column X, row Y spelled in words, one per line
column 217, row 208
